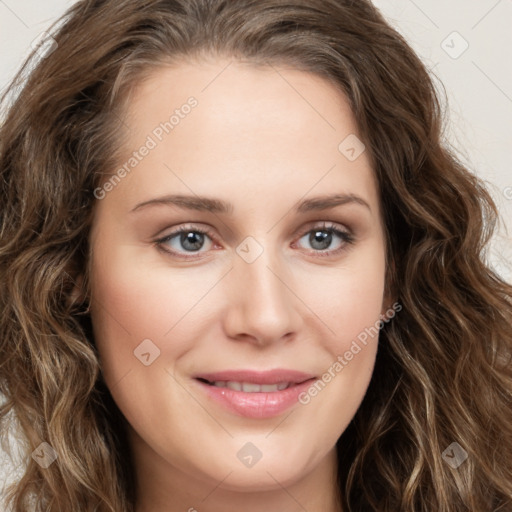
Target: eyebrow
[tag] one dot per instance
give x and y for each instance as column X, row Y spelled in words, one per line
column 207, row 204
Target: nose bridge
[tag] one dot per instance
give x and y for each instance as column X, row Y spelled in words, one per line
column 264, row 307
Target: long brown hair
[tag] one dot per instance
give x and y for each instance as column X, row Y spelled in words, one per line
column 443, row 372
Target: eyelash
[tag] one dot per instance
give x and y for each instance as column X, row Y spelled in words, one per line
column 346, row 237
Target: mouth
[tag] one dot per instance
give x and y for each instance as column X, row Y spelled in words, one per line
column 249, row 387
column 255, row 394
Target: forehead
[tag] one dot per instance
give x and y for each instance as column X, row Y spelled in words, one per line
column 215, row 124
column 242, row 96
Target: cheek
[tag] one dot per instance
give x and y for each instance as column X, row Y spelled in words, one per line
column 136, row 300
column 129, row 305
column 353, row 315
column 349, row 299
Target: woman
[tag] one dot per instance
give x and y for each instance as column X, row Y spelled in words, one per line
column 178, row 334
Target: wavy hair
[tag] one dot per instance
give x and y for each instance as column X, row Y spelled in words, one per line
column 443, row 372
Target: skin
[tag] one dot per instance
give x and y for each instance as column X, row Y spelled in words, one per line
column 262, row 138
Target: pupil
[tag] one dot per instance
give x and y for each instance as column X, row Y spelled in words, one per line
column 323, row 237
column 188, row 238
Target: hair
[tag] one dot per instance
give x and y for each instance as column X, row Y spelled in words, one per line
column 443, row 372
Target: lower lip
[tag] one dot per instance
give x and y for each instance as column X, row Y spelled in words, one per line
column 256, row 405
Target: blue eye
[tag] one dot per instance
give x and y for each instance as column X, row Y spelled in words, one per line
column 191, row 239
column 321, row 238
column 188, row 238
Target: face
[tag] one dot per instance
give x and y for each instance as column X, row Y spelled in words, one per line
column 279, row 267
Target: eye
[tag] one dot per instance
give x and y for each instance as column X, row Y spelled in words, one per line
column 321, row 237
column 188, row 238
column 191, row 239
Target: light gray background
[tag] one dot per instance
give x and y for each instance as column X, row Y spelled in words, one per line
column 478, row 82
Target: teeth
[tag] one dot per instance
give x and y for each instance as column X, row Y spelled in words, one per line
column 249, row 387
column 235, row 386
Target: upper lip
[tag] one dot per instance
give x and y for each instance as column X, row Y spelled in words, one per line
column 257, row 377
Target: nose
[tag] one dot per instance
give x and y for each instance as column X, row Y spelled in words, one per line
column 263, row 307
